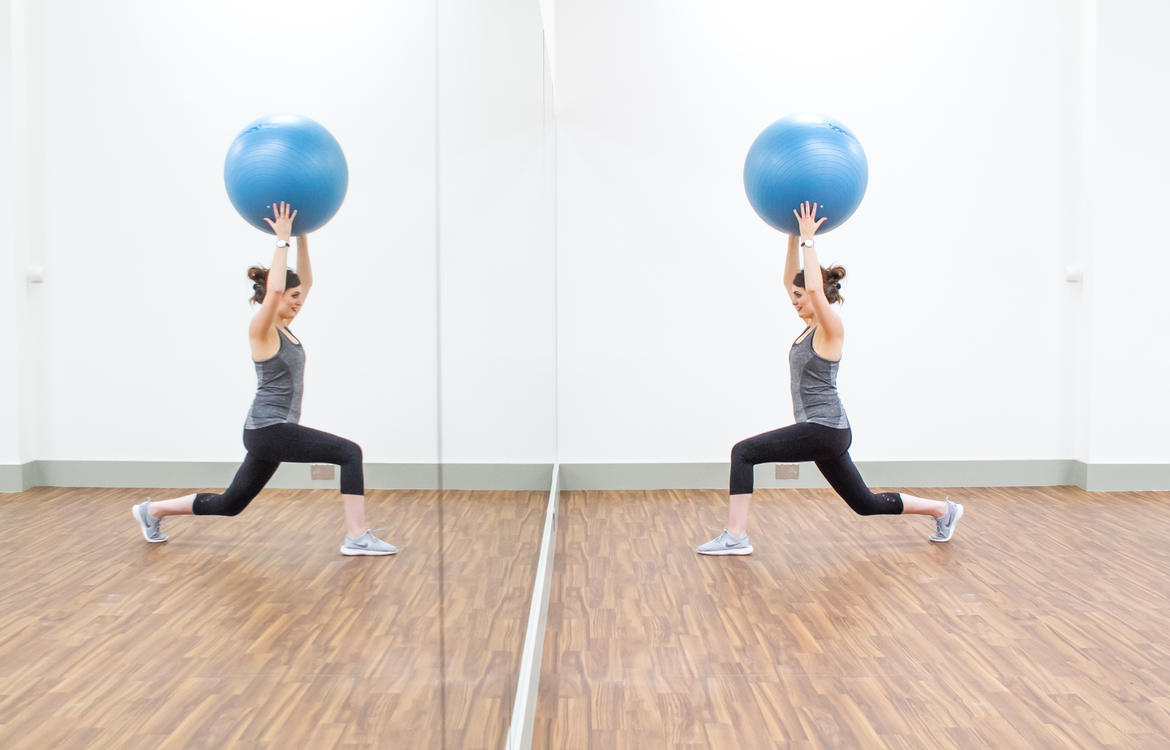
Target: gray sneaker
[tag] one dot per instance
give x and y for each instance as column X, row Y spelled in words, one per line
column 945, row 526
column 367, row 544
column 726, row 544
column 151, row 526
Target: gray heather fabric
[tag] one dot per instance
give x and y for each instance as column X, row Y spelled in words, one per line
column 814, row 386
column 280, row 381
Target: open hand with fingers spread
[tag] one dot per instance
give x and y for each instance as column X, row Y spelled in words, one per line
column 807, row 218
column 283, row 215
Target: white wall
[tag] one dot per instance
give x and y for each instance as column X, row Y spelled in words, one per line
column 19, row 316
column 144, row 340
column 139, row 329
column 1131, row 363
column 11, row 286
column 990, row 146
column 496, row 235
column 674, row 325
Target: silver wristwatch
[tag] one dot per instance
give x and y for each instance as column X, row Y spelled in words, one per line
column 283, row 243
column 810, row 242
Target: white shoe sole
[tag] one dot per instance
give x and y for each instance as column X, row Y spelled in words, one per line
column 954, row 524
column 365, row 552
column 145, row 530
column 737, row 551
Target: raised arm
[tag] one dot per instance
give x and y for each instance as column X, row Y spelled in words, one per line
column 792, row 260
column 265, row 318
column 814, row 283
column 304, row 269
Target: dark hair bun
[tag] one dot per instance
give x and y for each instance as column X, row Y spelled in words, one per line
column 832, row 281
column 259, row 277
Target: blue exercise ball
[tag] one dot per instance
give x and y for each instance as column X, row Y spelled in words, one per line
column 805, row 157
column 286, row 158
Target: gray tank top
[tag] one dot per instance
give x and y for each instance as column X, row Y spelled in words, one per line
column 280, row 381
column 814, row 386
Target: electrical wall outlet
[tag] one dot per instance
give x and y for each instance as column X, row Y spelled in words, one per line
column 788, row 471
column 321, row 471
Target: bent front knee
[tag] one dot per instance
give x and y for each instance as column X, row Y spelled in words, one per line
column 352, row 454
column 741, row 453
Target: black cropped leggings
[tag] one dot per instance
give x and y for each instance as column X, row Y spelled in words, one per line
column 807, row 441
column 267, row 448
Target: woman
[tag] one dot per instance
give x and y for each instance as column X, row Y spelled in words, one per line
column 272, row 433
column 821, row 432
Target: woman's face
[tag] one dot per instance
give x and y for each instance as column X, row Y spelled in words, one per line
column 801, row 302
column 290, row 303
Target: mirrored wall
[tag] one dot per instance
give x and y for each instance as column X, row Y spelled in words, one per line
column 429, row 341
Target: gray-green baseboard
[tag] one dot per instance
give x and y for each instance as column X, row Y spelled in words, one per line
column 187, row 474
column 1036, row 473
column 592, row 476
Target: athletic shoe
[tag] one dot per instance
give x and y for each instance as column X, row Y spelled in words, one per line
column 367, row 544
column 945, row 526
column 726, row 544
column 151, row 526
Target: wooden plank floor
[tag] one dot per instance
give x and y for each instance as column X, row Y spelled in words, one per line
column 254, row 631
column 1044, row 623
